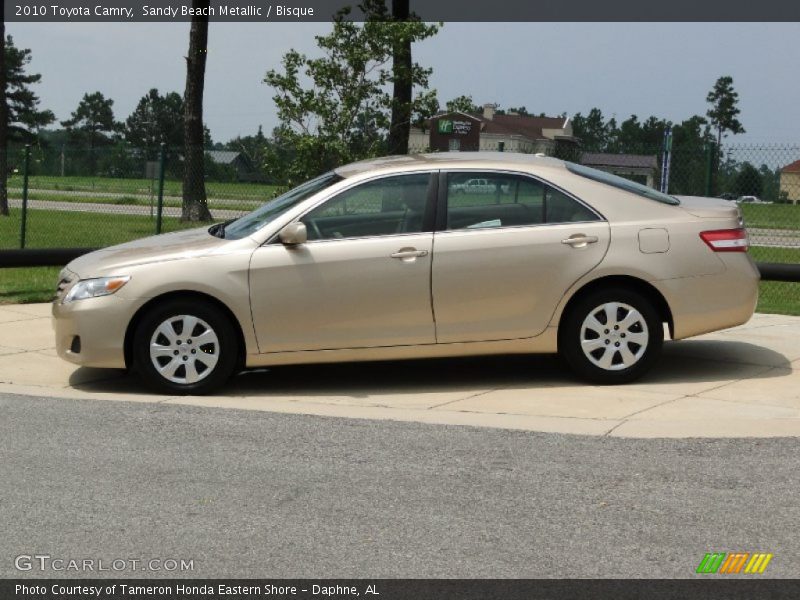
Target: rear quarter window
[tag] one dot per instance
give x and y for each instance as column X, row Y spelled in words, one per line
column 621, row 183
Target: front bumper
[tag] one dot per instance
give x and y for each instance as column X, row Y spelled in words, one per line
column 100, row 323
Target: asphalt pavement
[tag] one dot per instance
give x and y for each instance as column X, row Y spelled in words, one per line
column 260, row 494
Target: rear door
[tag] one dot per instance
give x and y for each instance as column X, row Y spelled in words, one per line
column 503, row 259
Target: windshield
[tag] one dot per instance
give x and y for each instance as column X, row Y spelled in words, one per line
column 622, row 183
column 252, row 222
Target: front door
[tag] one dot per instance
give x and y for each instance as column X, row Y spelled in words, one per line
column 361, row 280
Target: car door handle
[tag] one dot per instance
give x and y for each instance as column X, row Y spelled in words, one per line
column 409, row 254
column 580, row 240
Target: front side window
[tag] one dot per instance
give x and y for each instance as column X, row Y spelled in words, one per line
column 252, row 222
column 487, row 200
column 387, row 206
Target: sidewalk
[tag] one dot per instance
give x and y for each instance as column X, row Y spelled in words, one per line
column 743, row 382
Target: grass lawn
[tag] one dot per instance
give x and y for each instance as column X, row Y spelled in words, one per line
column 109, row 185
column 772, row 216
column 63, row 229
column 21, row 286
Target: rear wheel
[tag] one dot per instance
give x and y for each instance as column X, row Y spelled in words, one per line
column 611, row 336
column 185, row 347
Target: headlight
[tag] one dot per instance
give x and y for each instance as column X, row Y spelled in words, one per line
column 92, row 288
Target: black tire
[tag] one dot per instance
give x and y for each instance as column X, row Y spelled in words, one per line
column 621, row 345
column 225, row 347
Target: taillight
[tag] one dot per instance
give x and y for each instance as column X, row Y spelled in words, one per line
column 726, row 240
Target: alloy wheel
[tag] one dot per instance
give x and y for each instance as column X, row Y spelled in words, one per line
column 184, row 349
column 614, row 336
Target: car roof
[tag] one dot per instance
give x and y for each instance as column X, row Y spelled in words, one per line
column 444, row 160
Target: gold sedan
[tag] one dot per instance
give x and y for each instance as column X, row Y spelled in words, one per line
column 400, row 258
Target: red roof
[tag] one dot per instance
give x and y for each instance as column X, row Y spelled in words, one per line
column 792, row 168
column 525, row 125
column 530, row 127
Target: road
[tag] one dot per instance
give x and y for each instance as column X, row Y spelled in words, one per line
column 253, row 494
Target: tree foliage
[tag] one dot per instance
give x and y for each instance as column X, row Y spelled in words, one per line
column 748, row 181
column 21, row 112
column 24, row 116
column 724, row 110
column 336, row 108
column 156, row 119
column 462, row 104
column 92, row 122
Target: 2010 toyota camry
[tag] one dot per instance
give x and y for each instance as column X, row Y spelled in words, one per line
column 405, row 257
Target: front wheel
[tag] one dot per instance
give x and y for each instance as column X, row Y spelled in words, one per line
column 611, row 336
column 185, row 347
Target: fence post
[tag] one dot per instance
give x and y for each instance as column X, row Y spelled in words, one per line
column 162, row 161
column 710, row 151
column 24, row 220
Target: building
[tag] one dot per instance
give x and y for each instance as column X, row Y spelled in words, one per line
column 490, row 131
column 235, row 162
column 790, row 182
column 637, row 167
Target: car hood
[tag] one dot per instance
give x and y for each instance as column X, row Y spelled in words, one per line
column 169, row 246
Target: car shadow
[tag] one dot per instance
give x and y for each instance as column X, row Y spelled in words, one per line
column 688, row 361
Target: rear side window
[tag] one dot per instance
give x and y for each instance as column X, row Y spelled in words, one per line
column 621, row 183
column 489, row 200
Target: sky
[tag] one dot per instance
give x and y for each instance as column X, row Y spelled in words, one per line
column 662, row 69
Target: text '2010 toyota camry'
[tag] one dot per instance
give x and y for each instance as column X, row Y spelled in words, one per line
column 406, row 257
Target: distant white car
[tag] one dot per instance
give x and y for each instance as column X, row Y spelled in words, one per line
column 479, row 186
column 751, row 200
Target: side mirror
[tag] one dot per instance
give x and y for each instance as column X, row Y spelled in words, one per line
column 293, row 234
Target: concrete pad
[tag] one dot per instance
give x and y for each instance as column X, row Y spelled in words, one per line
column 7, row 315
column 4, row 350
column 32, row 368
column 680, row 374
column 740, row 382
column 575, row 401
column 435, row 417
column 43, row 309
column 707, row 409
column 77, row 393
column 716, row 428
column 739, row 349
column 29, row 334
column 783, row 389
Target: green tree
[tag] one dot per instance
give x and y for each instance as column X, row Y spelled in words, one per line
column 156, row 119
column 463, row 104
column 195, row 202
column 748, row 181
column 343, row 113
column 593, row 130
column 20, row 116
column 723, row 112
column 92, row 123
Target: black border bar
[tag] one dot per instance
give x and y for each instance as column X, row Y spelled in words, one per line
column 289, row 11
column 713, row 587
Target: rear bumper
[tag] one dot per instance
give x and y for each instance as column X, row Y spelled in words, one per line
column 712, row 302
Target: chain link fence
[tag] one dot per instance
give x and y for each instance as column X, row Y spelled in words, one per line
column 82, row 197
column 95, row 197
